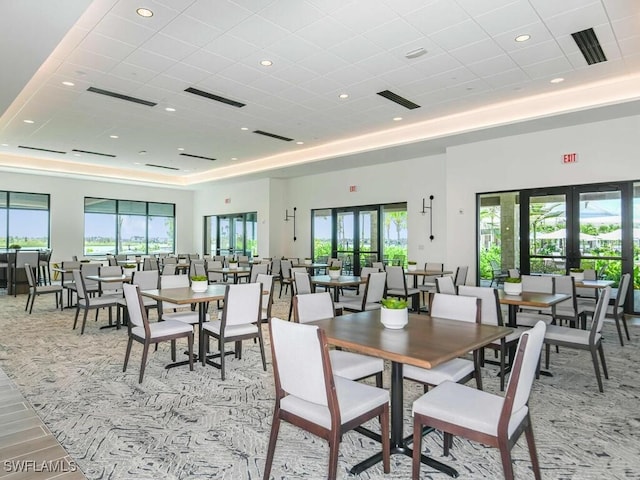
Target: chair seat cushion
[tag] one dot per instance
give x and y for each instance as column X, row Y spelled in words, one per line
column 530, row 319
column 231, row 330
column 467, row 407
column 354, row 365
column 162, row 329
column 453, row 370
column 49, row 289
column 512, row 337
column 184, row 317
column 99, row 302
column 396, row 292
column 568, row 335
column 354, row 399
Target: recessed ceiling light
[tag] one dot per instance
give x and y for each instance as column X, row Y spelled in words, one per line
column 5, row 144
column 137, row 163
column 186, row 170
column 77, row 155
column 170, row 109
column 114, row 136
column 299, row 143
column 557, row 80
column 523, row 38
column 244, row 128
column 234, row 158
column 180, row 149
column 68, row 84
column 418, row 52
column 343, row 95
column 397, row 119
column 266, row 63
column 144, row 12
column 28, row 121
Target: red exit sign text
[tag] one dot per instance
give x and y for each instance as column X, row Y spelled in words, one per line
column 570, row 158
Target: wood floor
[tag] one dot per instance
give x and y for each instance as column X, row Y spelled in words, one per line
column 28, row 450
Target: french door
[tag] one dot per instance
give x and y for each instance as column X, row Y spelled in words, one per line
column 357, row 237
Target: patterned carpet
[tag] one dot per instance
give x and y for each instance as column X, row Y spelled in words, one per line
column 190, row 425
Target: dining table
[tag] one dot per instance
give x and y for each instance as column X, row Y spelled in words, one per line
column 424, row 342
column 528, row 299
column 236, row 272
column 186, row 296
column 312, row 267
column 425, row 273
column 337, row 283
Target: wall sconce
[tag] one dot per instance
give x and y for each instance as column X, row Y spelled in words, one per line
column 424, row 210
column 286, row 219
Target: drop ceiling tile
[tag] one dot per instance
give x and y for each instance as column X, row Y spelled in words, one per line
column 162, row 14
column 169, row 47
column 630, row 46
column 401, row 76
column 537, row 53
column 328, row 6
column 394, row 32
column 506, row 78
column 133, row 72
column 210, row 62
column 127, row 31
column 168, row 85
column 298, row 94
column 363, row 15
column 381, row 63
column 407, row 6
column 149, row 60
column 321, row 85
column 230, row 47
column 577, row 20
column 322, row 62
column 459, row 35
column 349, row 75
column 186, row 73
column 492, row 66
column 437, row 16
column 270, row 85
column 109, row 47
column 508, row 17
column 437, row 64
column 192, row 31
column 258, row 31
column 551, row 68
column 547, row 9
column 293, row 48
column 479, row 7
column 477, row 51
column 92, row 61
column 626, row 27
column 325, row 33
column 222, row 14
column 538, row 32
column 291, row 14
column 296, row 74
column 355, row 49
column 619, row 9
column 239, row 72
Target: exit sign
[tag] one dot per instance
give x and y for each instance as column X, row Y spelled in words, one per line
column 227, row 200
column 353, row 188
column 570, row 158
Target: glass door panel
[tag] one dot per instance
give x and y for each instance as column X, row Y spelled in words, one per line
column 322, row 235
column 224, row 235
column 368, row 238
column 548, row 234
column 345, row 229
column 238, row 236
column 395, row 235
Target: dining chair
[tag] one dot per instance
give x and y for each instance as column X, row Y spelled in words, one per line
column 21, row 259
column 450, row 307
column 285, row 276
column 616, row 311
column 267, row 298
column 491, row 314
column 397, row 285
column 141, row 330
column 567, row 310
column 587, row 296
column 460, row 277
column 483, row 417
column 150, row 263
column 301, row 285
column 240, row 320
column 579, row 339
column 428, row 286
column 145, row 280
column 257, row 269
column 445, row 285
column 35, row 289
column 374, row 291
column 110, row 288
column 528, row 316
column 86, row 302
column 67, row 279
column 92, row 287
column 174, row 311
column 311, row 396
column 351, row 365
column 44, row 267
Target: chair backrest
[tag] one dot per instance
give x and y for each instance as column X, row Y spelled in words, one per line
column 334, row 262
column 566, row 284
column 197, row 267
column 378, row 265
column 300, row 361
column 257, row 269
column 433, row 266
column 81, row 289
column 395, row 278
column 537, row 283
column 514, row 273
column 445, row 285
column 169, row 269
column 135, row 308
column 313, row 306
column 365, row 271
column 113, row 261
column 522, row 375
column 490, row 312
column 150, row 264
column 174, row 281
column 375, row 290
column 302, row 283
column 69, row 265
column 597, row 322
column 455, row 307
column 285, row 268
column 267, row 285
column 28, row 269
column 275, row 267
column 461, row 276
column 90, row 269
column 30, row 257
column 623, row 287
column 242, row 304
column 215, row 276
column 110, row 271
column 146, row 279
column 169, row 261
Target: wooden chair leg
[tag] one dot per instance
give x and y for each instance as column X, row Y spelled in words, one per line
column 264, row 359
column 624, row 324
column 84, row 320
column 145, row 351
column 417, row 447
column 75, row 320
column 273, row 438
column 617, row 320
column 126, row 354
column 507, row 466
column 386, row 442
column 535, row 465
column 190, row 347
column 334, row 444
column 222, row 355
column 594, row 357
column 604, row 363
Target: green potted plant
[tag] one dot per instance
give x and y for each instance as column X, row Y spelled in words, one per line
column 513, row 286
column 308, row 261
column 412, row 266
column 129, row 268
column 199, row 283
column 394, row 313
column 577, row 274
column 334, row 271
column 15, row 246
column 233, row 264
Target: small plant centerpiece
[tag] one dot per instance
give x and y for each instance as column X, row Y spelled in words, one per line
column 412, row 266
column 577, row 274
column 308, row 261
column 233, row 264
column 334, row 271
column 394, row 313
column 129, row 268
column 513, row 286
column 199, row 283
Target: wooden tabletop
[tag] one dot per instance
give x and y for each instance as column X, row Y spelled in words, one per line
column 109, row 279
column 428, row 273
column 594, row 283
column 184, row 295
column 341, row 281
column 311, row 265
column 227, row 270
column 532, row 299
column 425, row 342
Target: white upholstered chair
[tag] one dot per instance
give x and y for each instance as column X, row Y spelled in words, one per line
column 35, row 289
column 173, row 311
column 616, row 311
column 374, row 291
column 86, row 302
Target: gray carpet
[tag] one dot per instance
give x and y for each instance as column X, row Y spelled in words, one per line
column 191, row 425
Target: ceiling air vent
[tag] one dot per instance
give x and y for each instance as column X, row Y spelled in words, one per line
column 121, row 96
column 394, row 97
column 160, row 166
column 94, row 153
column 41, row 149
column 273, row 135
column 589, row 45
column 197, row 156
column 213, row 96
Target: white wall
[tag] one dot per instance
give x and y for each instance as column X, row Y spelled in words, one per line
column 67, row 207
column 607, row 151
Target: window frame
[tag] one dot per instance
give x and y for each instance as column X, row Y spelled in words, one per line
column 8, row 210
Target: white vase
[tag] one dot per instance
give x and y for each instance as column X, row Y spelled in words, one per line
column 578, row 276
column 199, row 286
column 512, row 288
column 394, row 318
column 412, row 268
column 308, row 261
column 334, row 273
column 233, row 266
column 128, row 271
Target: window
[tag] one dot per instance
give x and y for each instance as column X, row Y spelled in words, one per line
column 128, row 227
column 234, row 234
column 24, row 220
